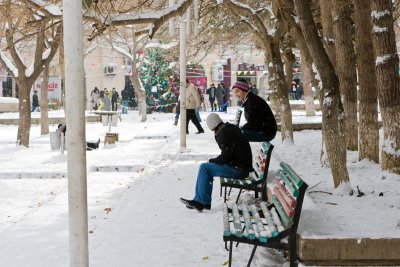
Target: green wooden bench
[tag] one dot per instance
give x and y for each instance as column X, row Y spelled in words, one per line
column 257, row 180
column 238, row 115
column 270, row 223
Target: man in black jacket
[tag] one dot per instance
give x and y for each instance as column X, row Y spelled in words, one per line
column 235, row 161
column 35, row 101
column 261, row 124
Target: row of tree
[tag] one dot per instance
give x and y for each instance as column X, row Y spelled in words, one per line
column 348, row 54
column 342, row 44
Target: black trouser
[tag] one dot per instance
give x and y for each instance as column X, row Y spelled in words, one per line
column 191, row 115
column 213, row 105
column 114, row 106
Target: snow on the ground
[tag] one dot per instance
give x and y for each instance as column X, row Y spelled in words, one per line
column 135, row 218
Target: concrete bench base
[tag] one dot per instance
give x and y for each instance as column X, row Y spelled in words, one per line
column 349, row 252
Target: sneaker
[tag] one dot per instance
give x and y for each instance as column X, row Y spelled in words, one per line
column 199, row 132
column 207, row 206
column 176, row 123
column 192, row 204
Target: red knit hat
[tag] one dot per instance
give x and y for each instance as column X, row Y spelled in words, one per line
column 241, row 85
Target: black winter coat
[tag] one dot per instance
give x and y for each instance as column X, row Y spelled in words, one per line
column 235, row 149
column 35, row 100
column 259, row 116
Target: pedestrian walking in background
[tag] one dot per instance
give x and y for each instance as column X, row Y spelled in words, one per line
column 35, row 101
column 201, row 97
column 192, row 102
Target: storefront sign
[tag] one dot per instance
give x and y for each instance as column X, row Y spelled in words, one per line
column 54, row 88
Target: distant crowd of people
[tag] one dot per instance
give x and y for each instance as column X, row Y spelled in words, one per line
column 104, row 100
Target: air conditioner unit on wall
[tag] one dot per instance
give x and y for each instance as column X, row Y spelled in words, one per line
column 218, row 73
column 110, row 69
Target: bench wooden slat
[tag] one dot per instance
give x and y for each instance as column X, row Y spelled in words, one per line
column 288, row 198
column 262, row 158
column 266, row 145
column 295, row 179
column 225, row 218
column 288, row 210
column 247, row 221
column 288, row 184
column 276, row 219
column 268, row 218
column 260, row 166
column 237, row 117
column 285, row 219
column 236, row 221
column 257, row 171
column 261, row 233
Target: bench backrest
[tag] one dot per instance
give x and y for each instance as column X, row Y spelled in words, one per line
column 238, row 116
column 262, row 157
column 287, row 196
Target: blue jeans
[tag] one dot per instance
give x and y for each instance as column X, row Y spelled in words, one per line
column 255, row 136
column 205, row 178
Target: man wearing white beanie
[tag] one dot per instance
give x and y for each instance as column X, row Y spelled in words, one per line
column 235, row 161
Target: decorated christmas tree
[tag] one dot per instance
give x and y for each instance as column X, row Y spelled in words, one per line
column 160, row 80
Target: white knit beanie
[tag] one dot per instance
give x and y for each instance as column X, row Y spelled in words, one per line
column 213, row 120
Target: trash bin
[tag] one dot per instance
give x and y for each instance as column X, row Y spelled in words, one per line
column 55, row 141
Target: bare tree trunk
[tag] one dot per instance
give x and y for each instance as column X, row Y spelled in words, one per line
column 273, row 96
column 44, row 102
column 289, row 59
column 286, row 111
column 306, row 73
column 327, row 29
column 386, row 63
column 368, row 95
column 345, row 67
column 140, row 94
column 332, row 108
column 24, row 109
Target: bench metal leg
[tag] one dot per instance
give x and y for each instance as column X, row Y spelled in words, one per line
column 225, row 194
column 251, row 256
column 230, row 190
column 237, row 199
column 220, row 191
column 292, row 250
column 237, row 243
column 230, row 253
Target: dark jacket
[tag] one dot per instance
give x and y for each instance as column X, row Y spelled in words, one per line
column 35, row 100
column 115, row 97
column 259, row 116
column 235, row 149
column 212, row 92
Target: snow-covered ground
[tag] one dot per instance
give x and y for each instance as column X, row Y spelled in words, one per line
column 135, row 217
